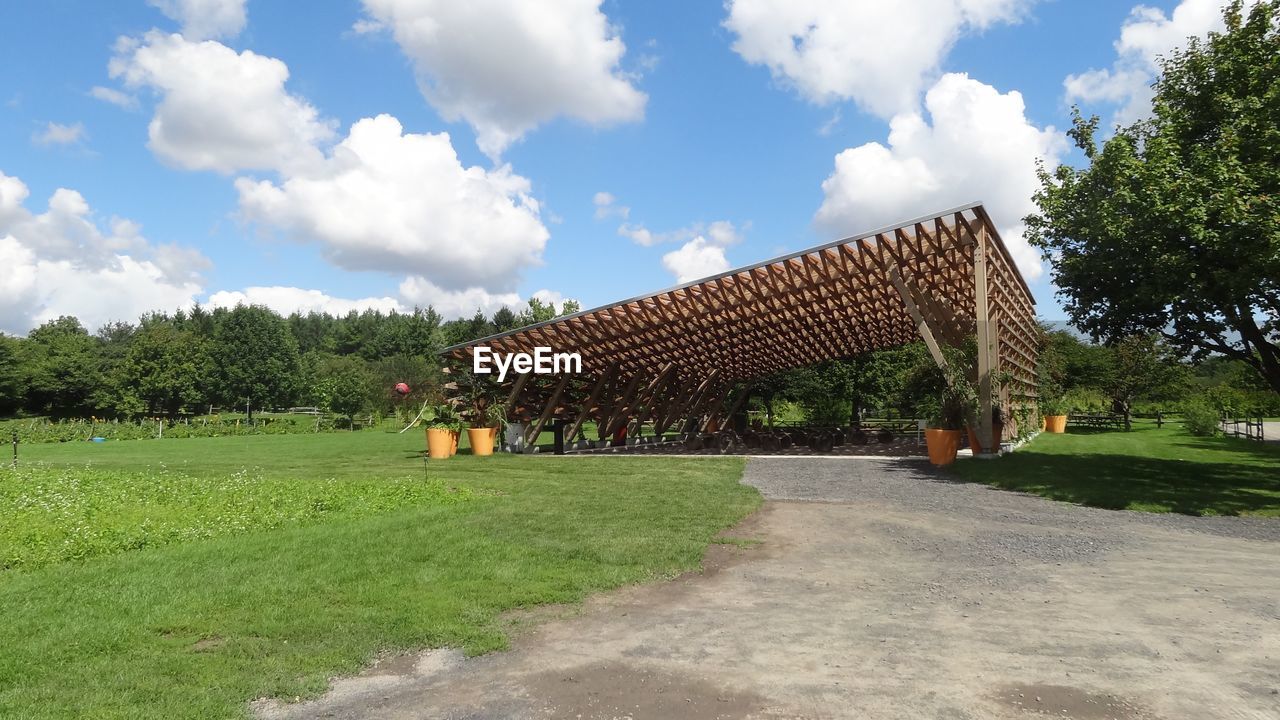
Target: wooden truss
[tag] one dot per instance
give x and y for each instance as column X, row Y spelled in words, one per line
column 677, row 354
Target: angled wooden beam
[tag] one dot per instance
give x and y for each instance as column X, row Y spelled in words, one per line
column 622, row 409
column 532, row 435
column 516, row 388
column 922, row 325
column 585, row 409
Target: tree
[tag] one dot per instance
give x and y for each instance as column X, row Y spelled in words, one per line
column 256, row 358
column 13, row 383
column 62, row 367
column 1141, row 365
column 1172, row 227
column 164, row 370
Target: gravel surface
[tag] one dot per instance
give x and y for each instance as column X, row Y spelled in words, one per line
column 878, row 590
column 916, row 485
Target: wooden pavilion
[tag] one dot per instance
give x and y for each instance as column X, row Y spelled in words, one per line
column 673, row 358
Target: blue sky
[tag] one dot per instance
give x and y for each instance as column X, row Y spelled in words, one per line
column 593, row 151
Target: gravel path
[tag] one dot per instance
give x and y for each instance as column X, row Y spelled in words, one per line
column 879, row 589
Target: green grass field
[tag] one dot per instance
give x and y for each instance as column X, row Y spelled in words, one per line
column 182, row 578
column 1150, row 469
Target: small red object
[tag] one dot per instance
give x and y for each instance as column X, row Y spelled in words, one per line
column 402, row 388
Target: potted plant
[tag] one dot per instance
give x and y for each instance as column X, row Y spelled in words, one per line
column 997, row 431
column 1054, row 411
column 944, row 418
column 442, row 426
column 482, row 430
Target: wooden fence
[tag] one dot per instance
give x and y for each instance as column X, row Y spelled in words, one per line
column 1248, row 428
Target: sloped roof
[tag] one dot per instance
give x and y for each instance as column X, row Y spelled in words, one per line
column 831, row 301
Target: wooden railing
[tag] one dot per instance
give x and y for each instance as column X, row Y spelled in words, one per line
column 1248, row 428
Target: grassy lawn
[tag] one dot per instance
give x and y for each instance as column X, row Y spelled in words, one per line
column 1150, row 469
column 242, row 567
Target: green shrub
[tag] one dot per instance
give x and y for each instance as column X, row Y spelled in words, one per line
column 1200, row 417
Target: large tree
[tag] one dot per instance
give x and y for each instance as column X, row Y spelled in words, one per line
column 62, row 366
column 1174, row 228
column 256, row 358
column 165, row 369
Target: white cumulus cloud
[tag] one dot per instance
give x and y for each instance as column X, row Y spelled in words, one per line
column 421, row 292
column 697, row 258
column 1147, row 35
column 506, row 67
column 204, row 19
column 975, row 144
column 62, row 262
column 403, row 203
column 704, row 254
column 218, row 109
column 288, row 300
column 878, row 54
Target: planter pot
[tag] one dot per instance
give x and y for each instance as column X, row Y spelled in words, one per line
column 997, row 435
column 1055, row 423
column 942, row 445
column 439, row 443
column 481, row 440
column 453, row 442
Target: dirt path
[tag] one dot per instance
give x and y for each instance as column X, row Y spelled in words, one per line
column 879, row 590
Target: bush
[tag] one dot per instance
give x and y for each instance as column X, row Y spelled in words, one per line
column 1200, row 417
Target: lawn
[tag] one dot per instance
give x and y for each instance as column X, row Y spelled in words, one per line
column 343, row 546
column 1150, row 469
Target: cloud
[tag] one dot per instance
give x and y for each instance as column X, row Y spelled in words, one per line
column 696, row 259
column 464, row 303
column 607, row 207
column 403, row 203
column 115, row 97
column 721, row 232
column 57, row 134
column 878, row 54
column 220, row 110
column 1146, row 36
column 204, row 19
column 704, row 254
column 288, row 300
column 61, row 262
column 505, row 67
column 977, row 144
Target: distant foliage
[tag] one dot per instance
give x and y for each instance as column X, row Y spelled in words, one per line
column 1199, row 417
column 42, row 430
column 188, row 362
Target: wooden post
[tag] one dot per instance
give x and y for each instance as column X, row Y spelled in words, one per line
column 536, row 430
column 986, row 336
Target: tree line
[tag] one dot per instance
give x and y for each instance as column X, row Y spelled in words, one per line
column 243, row 359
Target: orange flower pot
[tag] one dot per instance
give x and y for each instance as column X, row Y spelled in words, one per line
column 1055, row 423
column 481, row 440
column 453, row 442
column 942, row 445
column 439, row 443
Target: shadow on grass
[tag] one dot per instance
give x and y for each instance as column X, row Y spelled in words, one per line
column 1118, row 482
column 1253, row 448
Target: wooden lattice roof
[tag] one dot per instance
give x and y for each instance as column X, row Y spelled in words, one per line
column 835, row 300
